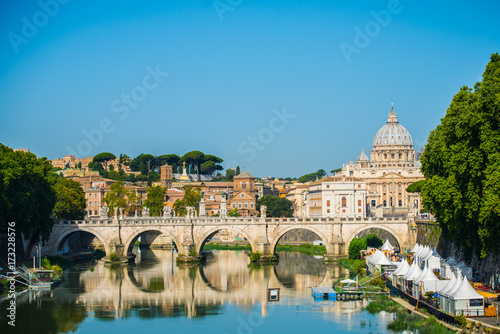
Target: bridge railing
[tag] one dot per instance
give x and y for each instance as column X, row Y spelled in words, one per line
column 231, row 220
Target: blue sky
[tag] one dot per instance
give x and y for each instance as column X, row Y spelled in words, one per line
column 267, row 85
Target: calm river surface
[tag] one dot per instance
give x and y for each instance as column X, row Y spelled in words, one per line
column 222, row 296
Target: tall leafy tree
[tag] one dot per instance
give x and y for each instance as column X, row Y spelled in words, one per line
column 461, row 163
column 194, row 158
column 155, row 200
column 70, row 199
column 103, row 158
column 191, row 198
column 237, row 171
column 133, row 201
column 115, row 199
column 276, row 206
column 27, row 195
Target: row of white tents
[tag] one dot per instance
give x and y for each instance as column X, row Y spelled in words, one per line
column 456, row 295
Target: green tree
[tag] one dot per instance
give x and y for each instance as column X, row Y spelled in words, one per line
column 237, row 171
column 27, row 195
column 194, row 158
column 333, row 171
column 320, row 173
column 373, row 240
column 356, row 245
column 155, row 200
column 111, row 167
column 70, row 199
column 276, row 206
column 191, row 198
column 103, row 158
column 233, row 213
column 415, row 187
column 230, row 174
column 133, row 201
column 461, row 163
column 116, row 197
column 208, row 167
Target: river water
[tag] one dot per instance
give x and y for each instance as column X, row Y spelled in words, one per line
column 224, row 295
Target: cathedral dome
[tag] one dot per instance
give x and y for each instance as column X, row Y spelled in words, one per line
column 363, row 157
column 392, row 133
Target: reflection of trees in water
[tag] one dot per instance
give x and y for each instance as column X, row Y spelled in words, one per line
column 292, row 264
column 49, row 317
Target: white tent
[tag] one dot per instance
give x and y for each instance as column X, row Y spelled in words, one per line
column 465, row 270
column 466, row 300
column 427, row 281
column 443, row 292
column 415, row 248
column 387, row 246
column 433, row 260
column 446, row 267
column 401, row 270
column 377, row 260
column 413, row 273
column 448, row 293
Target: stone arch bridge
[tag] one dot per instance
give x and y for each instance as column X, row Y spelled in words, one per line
column 119, row 234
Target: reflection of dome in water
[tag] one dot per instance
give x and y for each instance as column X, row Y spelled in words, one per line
column 392, row 133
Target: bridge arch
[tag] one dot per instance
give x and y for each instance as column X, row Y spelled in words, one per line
column 381, row 227
column 200, row 243
column 61, row 239
column 322, row 236
column 129, row 243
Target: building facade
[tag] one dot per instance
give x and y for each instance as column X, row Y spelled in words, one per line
column 244, row 193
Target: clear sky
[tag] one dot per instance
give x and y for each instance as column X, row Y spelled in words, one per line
column 281, row 88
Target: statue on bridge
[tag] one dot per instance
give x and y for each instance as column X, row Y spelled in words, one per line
column 263, row 210
column 103, row 212
column 145, row 211
column 167, row 211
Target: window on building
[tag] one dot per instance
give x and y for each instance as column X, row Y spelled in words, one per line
column 95, row 195
column 373, row 187
column 385, row 188
column 234, row 205
column 246, row 205
column 327, row 210
column 95, row 203
column 251, row 205
column 390, row 201
column 399, row 187
column 328, row 203
column 239, row 205
column 359, row 210
column 392, row 155
column 385, row 202
column 328, row 186
column 374, row 202
column 359, row 202
column 90, row 203
column 344, row 201
column 400, row 203
column 244, row 185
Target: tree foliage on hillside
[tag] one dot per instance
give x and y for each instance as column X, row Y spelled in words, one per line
column 312, row 176
column 415, row 187
column 276, row 206
column 103, row 158
column 461, row 163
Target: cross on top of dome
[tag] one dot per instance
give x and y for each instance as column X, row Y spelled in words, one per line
column 392, row 115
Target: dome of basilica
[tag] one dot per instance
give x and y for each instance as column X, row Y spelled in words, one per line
column 363, row 157
column 392, row 133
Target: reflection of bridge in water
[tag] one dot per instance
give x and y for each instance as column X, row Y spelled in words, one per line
column 160, row 283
